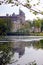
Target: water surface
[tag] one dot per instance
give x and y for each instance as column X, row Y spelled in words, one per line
column 21, row 53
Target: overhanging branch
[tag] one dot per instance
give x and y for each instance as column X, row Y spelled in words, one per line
column 16, row 2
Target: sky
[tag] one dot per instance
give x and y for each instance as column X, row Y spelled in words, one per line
column 4, row 9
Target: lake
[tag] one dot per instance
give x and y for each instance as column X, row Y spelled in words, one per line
column 21, row 53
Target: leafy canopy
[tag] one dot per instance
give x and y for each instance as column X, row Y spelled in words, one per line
column 27, row 4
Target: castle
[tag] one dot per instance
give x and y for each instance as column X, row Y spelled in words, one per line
column 16, row 20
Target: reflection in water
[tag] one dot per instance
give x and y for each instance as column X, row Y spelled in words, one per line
column 21, row 53
column 5, row 53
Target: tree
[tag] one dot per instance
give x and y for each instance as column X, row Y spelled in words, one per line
column 37, row 24
column 5, row 25
column 25, row 28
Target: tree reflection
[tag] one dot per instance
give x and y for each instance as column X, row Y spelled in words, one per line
column 38, row 44
column 5, row 53
column 33, row 63
column 34, row 44
column 8, row 49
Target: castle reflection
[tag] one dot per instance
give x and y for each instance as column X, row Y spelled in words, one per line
column 8, row 50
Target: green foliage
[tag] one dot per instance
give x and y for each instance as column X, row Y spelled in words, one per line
column 24, row 28
column 37, row 23
column 42, row 13
column 9, row 1
column 41, row 25
column 22, row 31
column 5, row 56
column 28, row 1
column 4, row 26
column 38, row 44
column 35, row 12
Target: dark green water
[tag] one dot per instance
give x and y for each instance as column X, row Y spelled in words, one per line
column 21, row 53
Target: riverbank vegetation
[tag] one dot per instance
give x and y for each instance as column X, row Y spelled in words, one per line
column 5, row 25
column 34, row 27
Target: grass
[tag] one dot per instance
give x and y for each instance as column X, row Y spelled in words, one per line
column 37, row 34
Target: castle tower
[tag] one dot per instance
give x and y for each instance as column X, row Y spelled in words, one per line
column 22, row 16
column 17, row 19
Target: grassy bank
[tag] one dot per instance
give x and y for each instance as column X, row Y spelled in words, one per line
column 37, row 34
